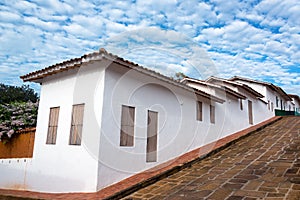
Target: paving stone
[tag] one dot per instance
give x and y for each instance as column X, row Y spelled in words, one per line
column 253, row 194
column 219, row 194
column 235, row 198
column 267, row 189
column 247, row 177
column 276, row 195
column 293, row 195
column 295, row 180
column 232, row 186
column 236, row 180
column 296, row 187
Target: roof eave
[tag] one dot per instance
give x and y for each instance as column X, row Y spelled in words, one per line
column 218, row 87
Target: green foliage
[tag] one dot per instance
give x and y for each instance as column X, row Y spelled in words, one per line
column 10, row 94
column 16, row 116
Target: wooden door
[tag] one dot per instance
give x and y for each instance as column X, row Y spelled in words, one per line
column 127, row 126
column 152, row 136
column 250, row 112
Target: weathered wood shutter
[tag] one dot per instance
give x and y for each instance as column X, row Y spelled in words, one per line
column 199, row 110
column 127, row 126
column 241, row 104
column 52, row 125
column 76, row 124
column 152, row 136
column 272, row 106
column 212, row 114
column 250, row 112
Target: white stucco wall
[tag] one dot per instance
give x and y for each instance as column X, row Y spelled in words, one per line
column 296, row 105
column 179, row 131
column 268, row 94
column 100, row 160
column 63, row 167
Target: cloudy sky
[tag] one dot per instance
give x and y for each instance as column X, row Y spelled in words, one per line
column 255, row 39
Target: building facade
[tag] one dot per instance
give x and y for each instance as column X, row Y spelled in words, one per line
column 102, row 119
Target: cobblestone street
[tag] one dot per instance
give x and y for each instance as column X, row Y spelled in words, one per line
column 264, row 165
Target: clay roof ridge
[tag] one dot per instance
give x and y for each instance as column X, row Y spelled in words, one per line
column 102, row 53
column 220, row 87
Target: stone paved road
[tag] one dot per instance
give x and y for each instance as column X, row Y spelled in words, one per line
column 265, row 165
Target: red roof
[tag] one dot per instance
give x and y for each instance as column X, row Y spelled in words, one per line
column 37, row 76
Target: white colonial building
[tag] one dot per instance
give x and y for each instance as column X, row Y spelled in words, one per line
column 102, row 119
column 274, row 95
column 295, row 102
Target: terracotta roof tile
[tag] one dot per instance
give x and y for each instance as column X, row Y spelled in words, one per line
column 270, row 85
column 237, row 84
column 38, row 75
column 218, row 87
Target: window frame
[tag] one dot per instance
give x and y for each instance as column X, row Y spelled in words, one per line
column 76, row 137
column 241, row 104
column 52, row 125
column 199, row 112
column 250, row 112
column 152, row 136
column 212, row 112
column 127, row 124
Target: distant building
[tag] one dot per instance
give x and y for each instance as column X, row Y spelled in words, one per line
column 273, row 94
column 295, row 103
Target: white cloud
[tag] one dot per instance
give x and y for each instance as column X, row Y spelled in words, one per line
column 78, row 30
column 56, row 6
column 259, row 39
column 48, row 26
column 6, row 16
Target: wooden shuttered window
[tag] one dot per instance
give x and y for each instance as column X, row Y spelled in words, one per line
column 250, row 112
column 199, row 110
column 272, row 106
column 152, row 136
column 52, row 125
column 76, row 124
column 212, row 114
column 127, row 126
column 241, row 104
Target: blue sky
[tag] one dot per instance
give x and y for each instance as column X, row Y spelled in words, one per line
column 255, row 39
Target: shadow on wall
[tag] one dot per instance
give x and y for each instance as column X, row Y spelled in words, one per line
column 17, row 176
column 20, row 146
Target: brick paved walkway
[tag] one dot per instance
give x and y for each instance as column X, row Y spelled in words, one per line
column 265, row 165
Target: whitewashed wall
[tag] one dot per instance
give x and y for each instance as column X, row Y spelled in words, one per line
column 179, row 131
column 62, row 167
column 269, row 94
column 296, row 104
column 100, row 161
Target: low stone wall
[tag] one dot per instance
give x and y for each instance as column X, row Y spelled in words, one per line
column 20, row 146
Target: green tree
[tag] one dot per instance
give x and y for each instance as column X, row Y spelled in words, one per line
column 10, row 94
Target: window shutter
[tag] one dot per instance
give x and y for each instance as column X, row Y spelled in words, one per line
column 127, row 126
column 52, row 126
column 199, row 110
column 152, row 136
column 76, row 124
column 212, row 114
